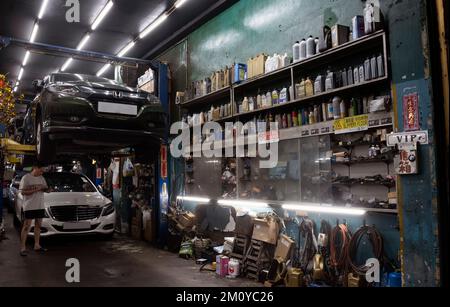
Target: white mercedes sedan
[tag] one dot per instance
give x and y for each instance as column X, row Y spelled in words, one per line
column 73, row 206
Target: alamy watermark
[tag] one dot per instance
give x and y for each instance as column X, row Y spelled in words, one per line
column 73, row 271
column 235, row 140
column 73, row 11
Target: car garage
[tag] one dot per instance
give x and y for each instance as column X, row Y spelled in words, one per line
column 249, row 144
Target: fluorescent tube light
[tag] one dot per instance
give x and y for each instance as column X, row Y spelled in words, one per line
column 325, row 209
column 83, row 41
column 126, row 49
column 102, row 15
column 15, row 89
column 34, row 33
column 194, row 199
column 103, row 70
column 242, row 203
column 68, row 62
column 179, row 3
column 43, row 8
column 25, row 59
column 20, row 74
column 153, row 25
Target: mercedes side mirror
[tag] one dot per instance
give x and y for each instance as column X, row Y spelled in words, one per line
column 38, row 85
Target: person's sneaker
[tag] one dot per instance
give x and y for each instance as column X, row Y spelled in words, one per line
column 23, row 253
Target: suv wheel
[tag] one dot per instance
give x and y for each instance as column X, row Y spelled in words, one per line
column 44, row 147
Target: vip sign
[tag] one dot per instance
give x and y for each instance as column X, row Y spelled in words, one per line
column 407, row 163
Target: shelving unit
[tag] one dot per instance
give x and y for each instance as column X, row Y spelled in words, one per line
column 287, row 76
column 377, row 39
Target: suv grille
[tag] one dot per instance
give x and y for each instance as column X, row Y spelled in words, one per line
column 75, row 213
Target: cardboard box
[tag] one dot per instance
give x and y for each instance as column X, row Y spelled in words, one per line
column 187, row 219
column 148, row 87
column 339, row 35
column 284, row 247
column 266, row 230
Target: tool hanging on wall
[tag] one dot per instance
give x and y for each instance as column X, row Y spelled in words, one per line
column 375, row 239
column 339, row 242
column 309, row 247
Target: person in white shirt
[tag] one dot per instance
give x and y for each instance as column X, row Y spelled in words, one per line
column 33, row 186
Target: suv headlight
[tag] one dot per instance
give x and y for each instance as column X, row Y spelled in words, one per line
column 65, row 89
column 108, row 209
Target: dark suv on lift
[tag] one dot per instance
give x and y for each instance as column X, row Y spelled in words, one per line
column 79, row 114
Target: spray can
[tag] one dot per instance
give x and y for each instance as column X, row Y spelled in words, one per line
column 224, row 260
column 218, row 258
column 361, row 74
column 289, row 120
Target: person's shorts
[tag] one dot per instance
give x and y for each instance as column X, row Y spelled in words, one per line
column 34, row 214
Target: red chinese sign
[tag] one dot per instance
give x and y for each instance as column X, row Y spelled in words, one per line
column 163, row 156
column 411, row 112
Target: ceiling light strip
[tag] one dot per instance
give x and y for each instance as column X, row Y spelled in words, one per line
column 43, row 9
column 34, row 32
column 102, row 15
column 324, row 209
column 83, row 41
column 103, row 70
column 25, row 59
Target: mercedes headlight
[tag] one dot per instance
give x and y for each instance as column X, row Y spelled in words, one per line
column 108, row 209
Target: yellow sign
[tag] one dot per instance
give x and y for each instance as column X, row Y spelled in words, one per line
column 351, row 124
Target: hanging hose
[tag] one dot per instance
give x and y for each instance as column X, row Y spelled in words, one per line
column 339, row 243
column 375, row 239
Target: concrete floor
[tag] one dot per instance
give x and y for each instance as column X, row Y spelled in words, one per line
column 121, row 262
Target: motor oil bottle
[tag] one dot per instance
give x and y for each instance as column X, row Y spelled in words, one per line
column 356, row 75
column 291, row 93
column 301, row 92
column 296, row 52
column 319, row 85
column 380, row 66
column 316, row 114
column 294, row 118
column 350, row 76
column 361, row 74
column 310, row 47
column 373, row 68
column 303, row 50
column 330, row 114
column 311, row 117
column 344, row 78
column 284, row 119
column 275, row 97
column 336, row 108
column 343, row 109
column 329, row 81
column 283, row 96
column 269, row 99
column 316, row 41
column 251, row 104
column 245, row 104
column 367, row 71
column 309, row 87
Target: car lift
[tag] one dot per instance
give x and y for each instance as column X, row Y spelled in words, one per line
column 162, row 92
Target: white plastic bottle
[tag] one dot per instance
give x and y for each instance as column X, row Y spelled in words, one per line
column 296, row 51
column 310, row 47
column 303, row 50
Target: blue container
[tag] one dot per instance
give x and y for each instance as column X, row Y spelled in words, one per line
column 240, row 72
column 395, row 280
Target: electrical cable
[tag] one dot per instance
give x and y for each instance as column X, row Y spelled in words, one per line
column 339, row 242
column 375, row 239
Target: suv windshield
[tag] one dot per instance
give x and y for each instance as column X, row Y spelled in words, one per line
column 68, row 182
column 78, row 77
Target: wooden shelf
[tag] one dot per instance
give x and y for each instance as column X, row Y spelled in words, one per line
column 209, row 98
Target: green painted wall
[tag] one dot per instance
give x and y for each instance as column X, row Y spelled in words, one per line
column 254, row 26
